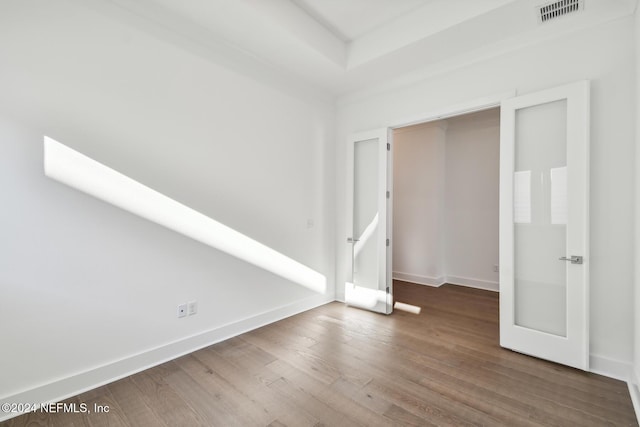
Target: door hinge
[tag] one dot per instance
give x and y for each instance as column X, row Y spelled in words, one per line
column 387, row 289
column 388, row 194
column 388, row 146
column 387, row 242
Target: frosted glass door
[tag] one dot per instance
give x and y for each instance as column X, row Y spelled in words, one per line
column 369, row 283
column 540, row 228
column 366, row 215
column 544, row 224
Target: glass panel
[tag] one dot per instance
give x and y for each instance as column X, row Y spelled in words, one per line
column 365, row 214
column 540, row 218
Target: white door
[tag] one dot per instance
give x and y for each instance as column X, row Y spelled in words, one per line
column 544, row 241
column 369, row 283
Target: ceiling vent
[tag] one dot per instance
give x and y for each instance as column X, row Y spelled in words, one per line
column 556, row 9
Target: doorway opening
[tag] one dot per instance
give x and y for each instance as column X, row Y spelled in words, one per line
column 446, row 176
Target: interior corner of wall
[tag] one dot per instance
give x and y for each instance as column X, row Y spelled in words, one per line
column 634, row 392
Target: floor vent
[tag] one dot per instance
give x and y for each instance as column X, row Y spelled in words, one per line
column 556, row 9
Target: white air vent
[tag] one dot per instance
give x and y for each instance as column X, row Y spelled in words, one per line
column 559, row 8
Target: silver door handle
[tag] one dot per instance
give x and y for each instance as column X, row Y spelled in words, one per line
column 351, row 240
column 575, row 259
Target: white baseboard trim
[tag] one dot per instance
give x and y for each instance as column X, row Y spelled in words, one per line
column 454, row 280
column 474, row 283
column 611, row 368
column 83, row 381
column 634, row 392
column 417, row 279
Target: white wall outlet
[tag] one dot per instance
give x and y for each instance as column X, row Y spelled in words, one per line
column 496, row 268
column 182, row 310
column 192, row 308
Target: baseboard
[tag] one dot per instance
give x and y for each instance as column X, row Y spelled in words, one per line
column 83, row 381
column 474, row 283
column 611, row 368
column 419, row 280
column 454, row 280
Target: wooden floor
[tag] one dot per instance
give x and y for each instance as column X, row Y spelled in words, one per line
column 340, row 366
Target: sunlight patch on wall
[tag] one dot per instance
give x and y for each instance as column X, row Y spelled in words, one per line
column 366, row 235
column 89, row 176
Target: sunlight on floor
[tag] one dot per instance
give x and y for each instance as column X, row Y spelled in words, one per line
column 407, row 307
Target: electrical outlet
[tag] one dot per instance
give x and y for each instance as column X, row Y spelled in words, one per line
column 192, row 308
column 496, row 268
column 182, row 310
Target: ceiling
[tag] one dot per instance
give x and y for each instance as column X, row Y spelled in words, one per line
column 351, row 19
column 341, row 46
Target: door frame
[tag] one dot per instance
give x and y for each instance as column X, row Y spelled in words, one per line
column 467, row 107
column 446, row 112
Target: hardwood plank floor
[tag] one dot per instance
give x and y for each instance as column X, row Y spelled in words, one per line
column 340, row 366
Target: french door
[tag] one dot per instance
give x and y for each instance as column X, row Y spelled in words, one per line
column 544, row 226
column 368, row 221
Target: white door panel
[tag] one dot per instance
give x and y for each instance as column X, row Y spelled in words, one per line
column 368, row 221
column 544, row 187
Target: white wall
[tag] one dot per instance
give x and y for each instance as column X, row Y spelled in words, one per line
column 637, row 208
column 88, row 288
column 445, row 203
column 471, row 199
column 605, row 55
column 418, row 202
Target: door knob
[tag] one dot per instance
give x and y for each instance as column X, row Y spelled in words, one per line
column 575, row 259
